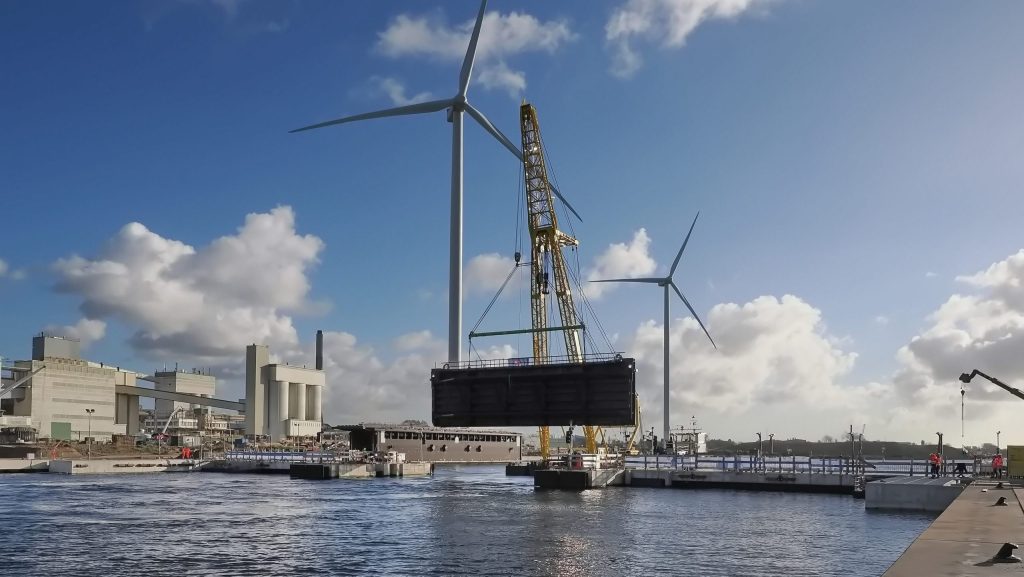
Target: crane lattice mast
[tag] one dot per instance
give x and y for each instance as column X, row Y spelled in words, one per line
column 547, row 261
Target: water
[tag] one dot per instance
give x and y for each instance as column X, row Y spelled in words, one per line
column 463, row 521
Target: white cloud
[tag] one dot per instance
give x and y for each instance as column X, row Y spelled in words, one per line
column 484, row 273
column 3, row 267
column 204, row 304
column 395, row 90
column 414, row 341
column 930, row 274
column 501, row 36
column 881, row 320
column 621, row 260
column 983, row 330
column 774, row 357
column 361, row 387
column 87, row 331
column 501, row 76
column 666, row 21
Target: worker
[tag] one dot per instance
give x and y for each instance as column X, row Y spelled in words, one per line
column 997, row 466
column 935, row 460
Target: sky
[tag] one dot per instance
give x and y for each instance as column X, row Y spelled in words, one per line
column 856, row 166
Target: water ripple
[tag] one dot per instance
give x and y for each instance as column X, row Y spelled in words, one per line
column 463, row 521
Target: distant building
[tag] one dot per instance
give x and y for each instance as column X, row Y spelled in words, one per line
column 437, row 444
column 69, row 398
column 281, row 400
column 193, row 382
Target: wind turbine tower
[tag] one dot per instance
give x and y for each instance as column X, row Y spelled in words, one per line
column 667, row 283
column 456, row 106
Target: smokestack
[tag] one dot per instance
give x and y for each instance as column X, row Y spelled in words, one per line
column 319, row 350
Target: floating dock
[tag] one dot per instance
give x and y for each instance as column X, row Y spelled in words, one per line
column 324, row 471
column 913, row 493
column 967, row 538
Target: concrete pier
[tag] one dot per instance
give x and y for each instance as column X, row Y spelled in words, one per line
column 964, row 539
column 577, row 479
column 118, row 466
column 913, row 493
column 24, row 465
column 322, row 471
column 797, row 482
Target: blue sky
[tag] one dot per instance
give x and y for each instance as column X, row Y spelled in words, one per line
column 857, row 155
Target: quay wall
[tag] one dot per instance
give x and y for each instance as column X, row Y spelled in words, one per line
column 118, row 466
column 24, row 465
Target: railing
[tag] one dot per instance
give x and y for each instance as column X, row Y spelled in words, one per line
column 528, row 361
column 795, row 464
column 280, row 456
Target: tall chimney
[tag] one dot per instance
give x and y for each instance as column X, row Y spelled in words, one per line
column 319, row 350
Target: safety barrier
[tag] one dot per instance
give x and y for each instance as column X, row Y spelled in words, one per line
column 796, row 464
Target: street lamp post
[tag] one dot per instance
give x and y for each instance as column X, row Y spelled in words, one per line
column 997, row 440
column 771, row 443
column 89, row 412
column 760, row 449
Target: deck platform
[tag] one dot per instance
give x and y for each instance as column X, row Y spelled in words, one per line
column 963, row 540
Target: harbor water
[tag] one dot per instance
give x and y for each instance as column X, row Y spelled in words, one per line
column 466, row 520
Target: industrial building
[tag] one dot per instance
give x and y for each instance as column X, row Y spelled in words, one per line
column 282, row 400
column 60, row 396
column 194, row 382
column 65, row 397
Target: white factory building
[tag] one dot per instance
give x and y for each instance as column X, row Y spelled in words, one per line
column 64, row 397
column 281, row 400
column 193, row 382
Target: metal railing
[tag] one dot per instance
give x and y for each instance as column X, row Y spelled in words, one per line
column 528, row 361
column 796, row 464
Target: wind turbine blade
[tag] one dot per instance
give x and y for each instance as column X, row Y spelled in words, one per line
column 467, row 64
column 675, row 263
column 644, row 280
column 490, row 127
column 419, row 108
column 694, row 313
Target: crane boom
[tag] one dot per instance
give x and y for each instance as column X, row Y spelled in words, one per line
column 966, row 378
column 547, row 261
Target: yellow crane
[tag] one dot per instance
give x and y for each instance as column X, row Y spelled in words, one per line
column 547, row 263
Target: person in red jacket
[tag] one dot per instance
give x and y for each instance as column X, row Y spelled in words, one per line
column 935, row 460
column 997, row 466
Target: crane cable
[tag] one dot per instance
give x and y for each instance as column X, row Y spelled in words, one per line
column 962, row 394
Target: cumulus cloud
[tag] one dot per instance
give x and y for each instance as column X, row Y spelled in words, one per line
column 668, row 22
column 361, row 386
column 774, row 356
column 205, row 304
column 621, row 260
column 501, row 37
column 395, row 90
column 484, row 273
column 6, row 271
column 982, row 330
column 87, row 331
column 881, row 320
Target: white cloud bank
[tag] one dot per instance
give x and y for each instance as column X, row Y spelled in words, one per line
column 86, row 331
column 394, row 89
column 668, row 22
column 501, row 37
column 205, row 304
column 621, row 260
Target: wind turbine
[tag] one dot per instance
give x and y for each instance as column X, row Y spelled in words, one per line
column 667, row 282
column 455, row 105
